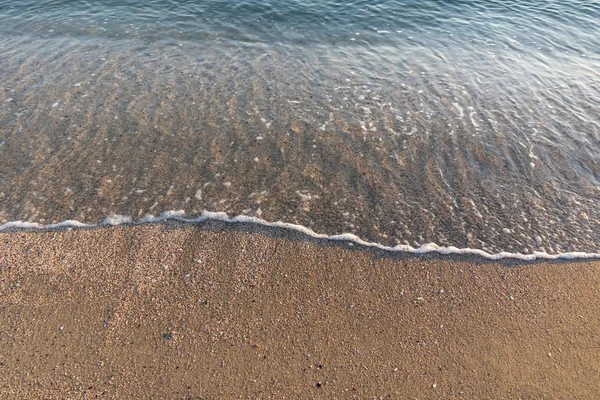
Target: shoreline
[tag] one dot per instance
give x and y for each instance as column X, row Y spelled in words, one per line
column 224, row 310
column 207, row 217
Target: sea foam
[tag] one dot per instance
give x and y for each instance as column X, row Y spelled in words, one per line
column 114, row 220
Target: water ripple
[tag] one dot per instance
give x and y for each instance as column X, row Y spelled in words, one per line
column 465, row 123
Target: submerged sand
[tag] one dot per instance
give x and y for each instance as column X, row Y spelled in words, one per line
column 216, row 311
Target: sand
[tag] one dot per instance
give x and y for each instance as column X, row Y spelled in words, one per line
column 236, row 311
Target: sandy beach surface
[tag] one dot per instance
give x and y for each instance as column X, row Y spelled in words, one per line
column 223, row 311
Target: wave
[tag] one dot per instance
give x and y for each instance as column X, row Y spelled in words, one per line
column 179, row 216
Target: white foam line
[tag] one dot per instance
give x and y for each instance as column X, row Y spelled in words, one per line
column 114, row 220
column 34, row 225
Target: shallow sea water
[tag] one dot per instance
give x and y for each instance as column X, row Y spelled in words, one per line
column 466, row 123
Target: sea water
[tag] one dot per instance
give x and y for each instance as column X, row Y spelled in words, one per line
column 468, row 124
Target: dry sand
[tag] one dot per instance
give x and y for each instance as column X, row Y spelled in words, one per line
column 235, row 311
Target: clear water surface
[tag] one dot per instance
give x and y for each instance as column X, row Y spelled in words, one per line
column 465, row 123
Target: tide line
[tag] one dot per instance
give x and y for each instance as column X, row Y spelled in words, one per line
column 114, row 220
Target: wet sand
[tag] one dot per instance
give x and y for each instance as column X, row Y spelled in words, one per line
column 236, row 311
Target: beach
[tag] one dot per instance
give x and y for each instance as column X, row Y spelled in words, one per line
column 303, row 199
column 218, row 310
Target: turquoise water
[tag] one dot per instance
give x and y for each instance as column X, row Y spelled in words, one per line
column 473, row 124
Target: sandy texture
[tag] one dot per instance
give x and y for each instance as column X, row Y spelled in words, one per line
column 199, row 312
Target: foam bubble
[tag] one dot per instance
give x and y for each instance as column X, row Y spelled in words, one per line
column 117, row 220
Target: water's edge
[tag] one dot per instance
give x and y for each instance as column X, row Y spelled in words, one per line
column 179, row 216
